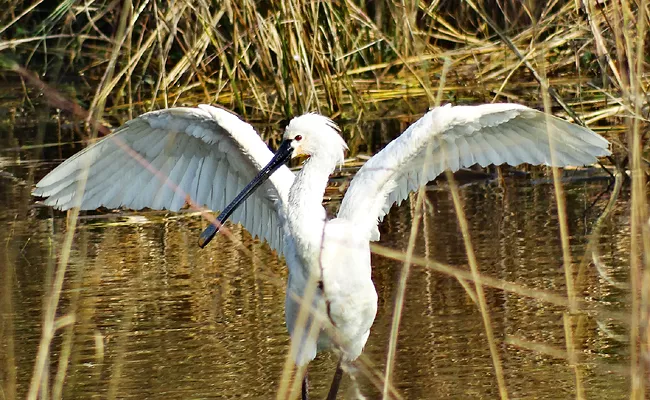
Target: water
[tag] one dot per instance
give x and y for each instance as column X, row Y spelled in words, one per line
column 157, row 317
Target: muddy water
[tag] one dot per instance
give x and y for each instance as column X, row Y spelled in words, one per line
column 157, row 317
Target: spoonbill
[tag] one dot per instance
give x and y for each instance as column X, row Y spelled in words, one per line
column 209, row 155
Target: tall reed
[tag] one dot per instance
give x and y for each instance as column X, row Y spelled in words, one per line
column 271, row 60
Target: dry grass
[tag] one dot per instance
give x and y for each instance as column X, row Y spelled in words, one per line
column 277, row 59
column 281, row 59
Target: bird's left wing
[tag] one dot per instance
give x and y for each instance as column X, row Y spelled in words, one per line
column 456, row 137
column 163, row 158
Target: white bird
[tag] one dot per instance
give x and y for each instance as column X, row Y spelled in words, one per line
column 209, row 154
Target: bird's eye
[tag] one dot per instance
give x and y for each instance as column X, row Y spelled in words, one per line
column 298, row 138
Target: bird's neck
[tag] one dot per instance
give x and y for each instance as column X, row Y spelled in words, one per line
column 307, row 216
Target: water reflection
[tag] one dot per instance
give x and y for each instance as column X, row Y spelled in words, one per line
column 157, row 317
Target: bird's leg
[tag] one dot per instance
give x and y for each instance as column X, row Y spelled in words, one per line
column 336, row 381
column 304, row 391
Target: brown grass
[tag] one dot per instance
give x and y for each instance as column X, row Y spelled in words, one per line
column 280, row 59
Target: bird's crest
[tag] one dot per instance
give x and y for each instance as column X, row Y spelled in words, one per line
column 320, row 134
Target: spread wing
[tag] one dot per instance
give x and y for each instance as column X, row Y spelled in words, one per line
column 455, row 137
column 160, row 158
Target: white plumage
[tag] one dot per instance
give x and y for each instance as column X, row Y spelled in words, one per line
column 159, row 158
column 461, row 136
column 209, row 154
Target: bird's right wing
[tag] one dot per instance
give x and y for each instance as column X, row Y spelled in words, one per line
column 164, row 157
column 456, row 137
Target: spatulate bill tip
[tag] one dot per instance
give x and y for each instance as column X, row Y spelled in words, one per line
column 207, row 235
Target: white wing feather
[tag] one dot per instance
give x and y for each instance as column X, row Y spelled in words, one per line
column 456, row 137
column 159, row 158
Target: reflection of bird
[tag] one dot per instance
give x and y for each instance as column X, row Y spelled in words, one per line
column 209, row 154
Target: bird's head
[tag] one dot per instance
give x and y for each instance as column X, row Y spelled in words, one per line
column 315, row 135
column 310, row 135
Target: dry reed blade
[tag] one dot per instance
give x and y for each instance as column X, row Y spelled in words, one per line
column 51, row 305
column 8, row 339
column 640, row 231
column 480, row 293
column 404, row 273
column 401, row 292
column 569, row 275
column 305, row 313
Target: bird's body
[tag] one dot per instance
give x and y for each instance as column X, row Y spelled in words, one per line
column 345, row 298
column 207, row 154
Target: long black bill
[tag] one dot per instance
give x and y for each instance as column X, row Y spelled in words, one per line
column 279, row 159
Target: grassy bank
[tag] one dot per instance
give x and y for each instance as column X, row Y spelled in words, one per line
column 277, row 59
